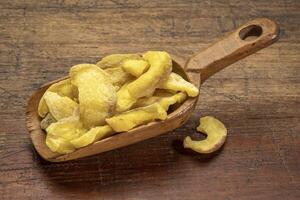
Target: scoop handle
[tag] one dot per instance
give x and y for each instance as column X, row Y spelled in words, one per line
column 244, row 41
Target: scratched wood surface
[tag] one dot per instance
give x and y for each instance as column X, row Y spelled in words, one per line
column 258, row 99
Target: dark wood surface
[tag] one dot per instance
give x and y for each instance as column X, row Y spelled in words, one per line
column 257, row 98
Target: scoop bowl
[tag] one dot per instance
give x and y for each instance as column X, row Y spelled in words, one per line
column 244, row 41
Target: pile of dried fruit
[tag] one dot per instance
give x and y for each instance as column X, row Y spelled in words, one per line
column 120, row 92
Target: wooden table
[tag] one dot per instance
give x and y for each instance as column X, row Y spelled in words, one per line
column 257, row 98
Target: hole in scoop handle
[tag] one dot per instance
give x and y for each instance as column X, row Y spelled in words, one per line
column 245, row 40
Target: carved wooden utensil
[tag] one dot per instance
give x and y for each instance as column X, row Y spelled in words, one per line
column 243, row 41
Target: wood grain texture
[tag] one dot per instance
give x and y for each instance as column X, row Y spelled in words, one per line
column 258, row 99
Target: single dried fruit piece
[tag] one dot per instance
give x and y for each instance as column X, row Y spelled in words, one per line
column 112, row 64
column 118, row 76
column 135, row 117
column 97, row 95
column 165, row 99
column 146, row 101
column 93, row 135
column 157, row 60
column 216, row 135
column 124, row 99
column 68, row 128
column 135, row 67
column 160, row 68
column 166, row 102
column 59, row 145
column 59, row 107
column 176, row 83
column 60, row 133
column 115, row 60
column 49, row 119
column 63, row 88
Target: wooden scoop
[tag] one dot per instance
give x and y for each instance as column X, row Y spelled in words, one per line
column 238, row 44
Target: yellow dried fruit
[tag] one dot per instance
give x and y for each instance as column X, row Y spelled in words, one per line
column 135, row 117
column 115, row 60
column 135, row 67
column 160, row 68
column 63, row 88
column 93, row 135
column 112, row 64
column 176, row 83
column 97, row 95
column 59, row 145
column 68, row 128
column 118, row 76
column 60, row 133
column 59, row 107
column 146, row 101
column 49, row 119
column 165, row 99
column 166, row 102
column 86, row 108
column 216, row 135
